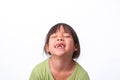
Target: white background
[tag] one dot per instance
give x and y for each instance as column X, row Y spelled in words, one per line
column 25, row 23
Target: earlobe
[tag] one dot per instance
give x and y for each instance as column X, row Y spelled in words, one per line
column 76, row 49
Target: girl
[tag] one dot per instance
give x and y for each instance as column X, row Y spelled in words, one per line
column 63, row 46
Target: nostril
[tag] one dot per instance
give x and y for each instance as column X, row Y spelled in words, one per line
column 59, row 39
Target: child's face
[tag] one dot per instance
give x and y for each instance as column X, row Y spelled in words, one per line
column 61, row 43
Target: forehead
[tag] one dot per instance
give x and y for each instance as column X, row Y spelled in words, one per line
column 61, row 28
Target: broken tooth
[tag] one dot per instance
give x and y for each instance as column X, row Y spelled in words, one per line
column 59, row 46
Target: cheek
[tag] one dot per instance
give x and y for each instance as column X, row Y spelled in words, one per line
column 51, row 42
column 70, row 44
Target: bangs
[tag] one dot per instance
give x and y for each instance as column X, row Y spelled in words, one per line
column 56, row 28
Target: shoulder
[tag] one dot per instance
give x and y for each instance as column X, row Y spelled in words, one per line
column 80, row 68
column 81, row 72
column 41, row 66
column 39, row 70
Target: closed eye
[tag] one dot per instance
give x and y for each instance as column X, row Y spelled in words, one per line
column 67, row 35
column 53, row 36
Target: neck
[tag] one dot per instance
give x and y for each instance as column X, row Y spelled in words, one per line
column 61, row 64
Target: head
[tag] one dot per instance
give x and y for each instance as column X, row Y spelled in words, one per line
column 67, row 28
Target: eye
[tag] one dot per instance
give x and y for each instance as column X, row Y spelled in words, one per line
column 67, row 35
column 53, row 36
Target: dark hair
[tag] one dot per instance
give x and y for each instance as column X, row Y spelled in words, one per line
column 68, row 29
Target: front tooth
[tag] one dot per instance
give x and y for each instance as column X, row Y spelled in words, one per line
column 62, row 46
column 59, row 46
column 56, row 46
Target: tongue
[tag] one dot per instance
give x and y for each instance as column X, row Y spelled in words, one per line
column 60, row 46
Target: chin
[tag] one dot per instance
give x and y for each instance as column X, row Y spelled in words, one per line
column 59, row 54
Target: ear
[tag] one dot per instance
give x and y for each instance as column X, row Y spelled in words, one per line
column 76, row 49
column 47, row 48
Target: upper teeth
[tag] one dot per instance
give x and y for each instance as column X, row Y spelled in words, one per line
column 59, row 46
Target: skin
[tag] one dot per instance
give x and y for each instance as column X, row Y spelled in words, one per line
column 61, row 46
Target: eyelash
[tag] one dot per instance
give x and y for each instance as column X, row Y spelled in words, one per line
column 64, row 35
column 67, row 36
column 53, row 36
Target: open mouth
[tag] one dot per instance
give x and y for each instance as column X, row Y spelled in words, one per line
column 60, row 45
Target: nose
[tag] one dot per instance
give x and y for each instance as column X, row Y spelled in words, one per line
column 60, row 39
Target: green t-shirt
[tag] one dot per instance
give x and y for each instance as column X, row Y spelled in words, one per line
column 42, row 72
